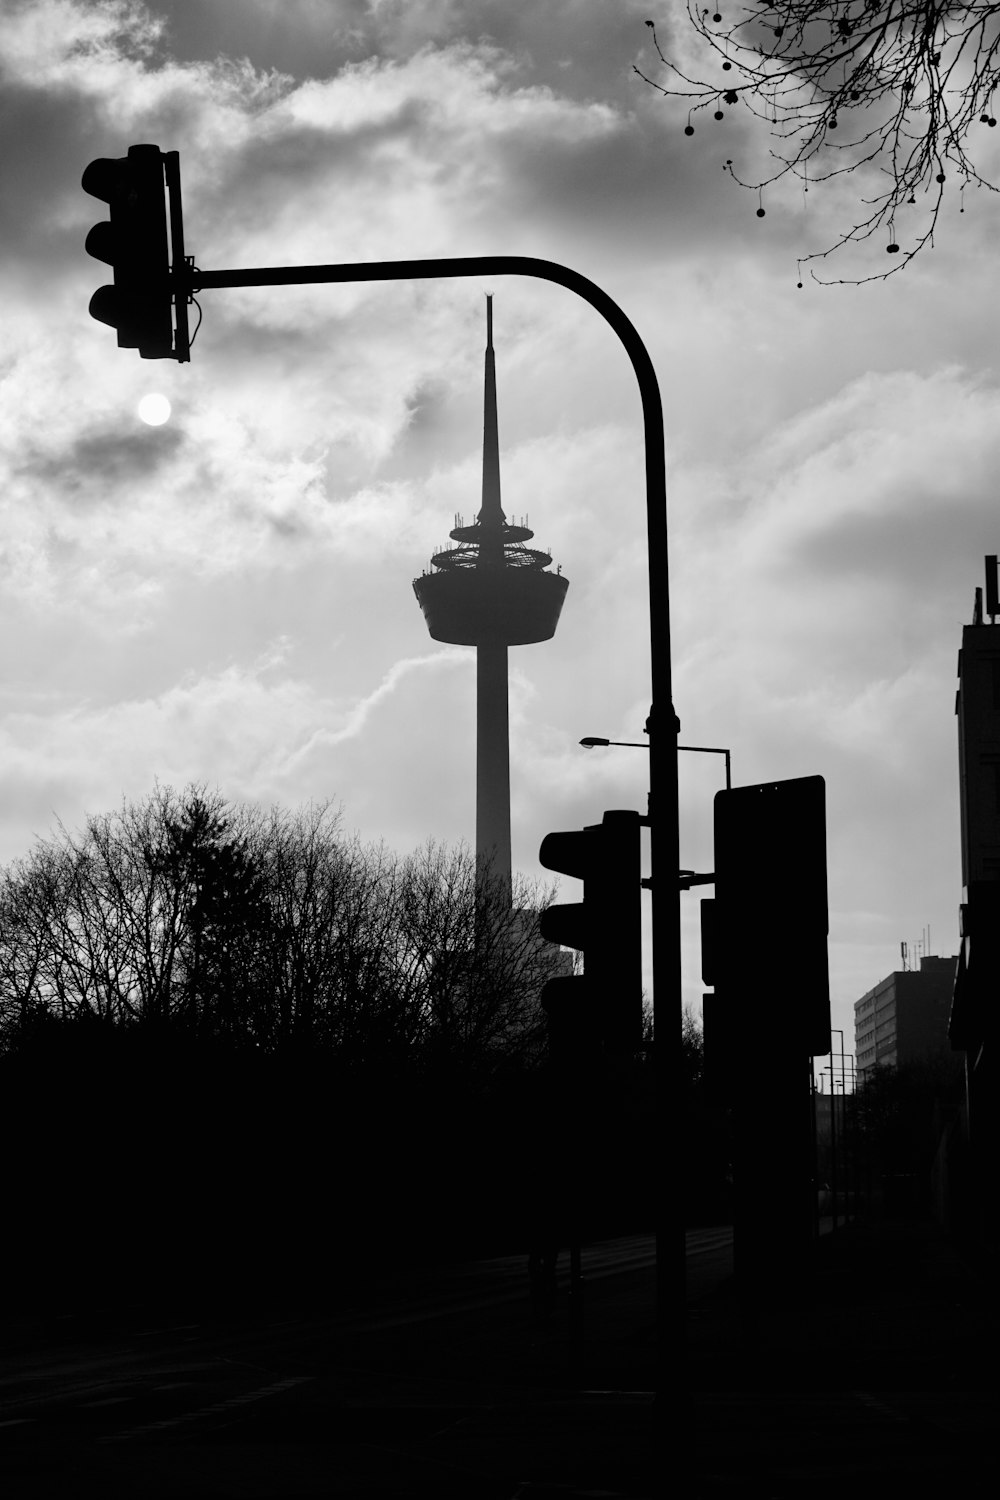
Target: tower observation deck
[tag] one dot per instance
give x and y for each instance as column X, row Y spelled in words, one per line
column 491, row 591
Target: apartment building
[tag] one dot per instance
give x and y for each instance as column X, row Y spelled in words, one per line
column 904, row 1018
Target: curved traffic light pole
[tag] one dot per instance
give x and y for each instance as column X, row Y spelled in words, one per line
column 663, row 724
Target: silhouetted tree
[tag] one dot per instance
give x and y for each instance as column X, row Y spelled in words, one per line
column 897, row 1116
column 321, row 936
column 270, row 931
column 259, row 1026
column 692, row 1050
column 219, row 909
column 471, row 951
column 890, row 89
column 707, row 1157
column 30, row 892
column 154, row 914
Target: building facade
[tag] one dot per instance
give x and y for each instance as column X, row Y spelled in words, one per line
column 972, row 1027
column 904, row 1019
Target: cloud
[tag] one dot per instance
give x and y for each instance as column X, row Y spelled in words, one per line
column 104, row 461
column 583, row 50
column 849, row 526
column 357, row 719
column 439, row 144
column 253, row 730
column 818, row 600
column 44, row 42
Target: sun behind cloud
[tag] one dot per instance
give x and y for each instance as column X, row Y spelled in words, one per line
column 154, row 409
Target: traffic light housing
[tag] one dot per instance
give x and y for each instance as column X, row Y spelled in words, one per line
column 601, row 1009
column 768, row 928
column 147, row 305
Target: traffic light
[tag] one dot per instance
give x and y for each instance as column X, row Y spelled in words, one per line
column 601, row 1009
column 148, row 303
column 768, row 929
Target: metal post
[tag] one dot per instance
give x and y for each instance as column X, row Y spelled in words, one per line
column 833, row 1146
column 845, row 1165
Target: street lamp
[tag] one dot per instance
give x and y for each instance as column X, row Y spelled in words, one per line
column 594, row 742
column 186, row 279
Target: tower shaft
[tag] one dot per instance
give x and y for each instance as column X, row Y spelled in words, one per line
column 492, row 764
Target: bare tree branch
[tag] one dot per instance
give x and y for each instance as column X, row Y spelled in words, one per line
column 889, row 89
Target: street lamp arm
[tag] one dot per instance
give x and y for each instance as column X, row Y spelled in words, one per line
column 195, row 280
column 593, row 742
column 466, row 265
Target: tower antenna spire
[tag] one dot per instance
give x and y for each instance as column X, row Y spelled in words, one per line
column 491, row 517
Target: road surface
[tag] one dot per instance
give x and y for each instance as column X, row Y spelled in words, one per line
column 140, row 1403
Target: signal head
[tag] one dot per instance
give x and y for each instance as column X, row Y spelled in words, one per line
column 148, row 297
column 105, row 177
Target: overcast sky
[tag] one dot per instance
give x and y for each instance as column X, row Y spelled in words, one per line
column 227, row 597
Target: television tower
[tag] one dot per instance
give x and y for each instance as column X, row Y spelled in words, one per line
column 491, row 592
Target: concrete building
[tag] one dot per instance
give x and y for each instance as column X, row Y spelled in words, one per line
column 904, row 1019
column 977, row 707
column 491, row 592
column 972, row 1027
